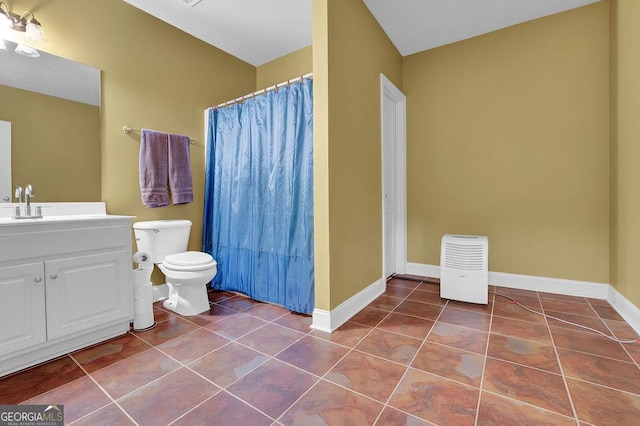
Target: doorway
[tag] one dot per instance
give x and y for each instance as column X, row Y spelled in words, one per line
column 393, row 122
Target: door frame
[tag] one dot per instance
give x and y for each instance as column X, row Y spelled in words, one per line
column 389, row 91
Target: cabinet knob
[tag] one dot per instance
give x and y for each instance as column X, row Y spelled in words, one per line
column 37, row 279
column 53, row 276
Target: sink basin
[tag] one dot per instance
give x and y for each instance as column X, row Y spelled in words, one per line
column 57, row 212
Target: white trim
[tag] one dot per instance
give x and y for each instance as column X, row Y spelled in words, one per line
column 328, row 321
column 527, row 282
column 389, row 89
column 160, row 292
column 627, row 310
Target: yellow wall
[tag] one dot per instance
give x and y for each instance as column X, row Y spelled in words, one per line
column 357, row 52
column 625, row 148
column 55, row 145
column 507, row 136
column 153, row 76
column 285, row 68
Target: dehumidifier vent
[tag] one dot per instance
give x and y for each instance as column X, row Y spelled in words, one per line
column 464, row 268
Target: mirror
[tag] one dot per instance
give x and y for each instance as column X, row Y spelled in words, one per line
column 53, row 107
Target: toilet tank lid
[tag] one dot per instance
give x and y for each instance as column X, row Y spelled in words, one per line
column 159, row 224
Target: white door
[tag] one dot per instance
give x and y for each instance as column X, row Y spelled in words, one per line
column 5, row 162
column 393, row 178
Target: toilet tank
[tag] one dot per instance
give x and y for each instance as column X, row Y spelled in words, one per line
column 160, row 238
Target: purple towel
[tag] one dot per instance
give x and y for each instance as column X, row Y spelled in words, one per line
column 154, row 168
column 180, row 180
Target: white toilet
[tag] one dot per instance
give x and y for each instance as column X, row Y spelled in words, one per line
column 187, row 272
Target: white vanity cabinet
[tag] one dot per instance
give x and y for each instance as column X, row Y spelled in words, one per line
column 65, row 284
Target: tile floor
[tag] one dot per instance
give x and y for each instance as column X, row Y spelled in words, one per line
column 409, row 358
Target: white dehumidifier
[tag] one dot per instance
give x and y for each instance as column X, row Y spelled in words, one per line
column 464, row 268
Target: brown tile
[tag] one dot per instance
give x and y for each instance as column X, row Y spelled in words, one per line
column 227, row 364
column 598, row 302
column 531, row 302
column 166, row 330
column 521, row 329
column 515, row 292
column 160, row 314
column 168, row 398
column 591, row 322
column 588, row 342
column 369, row 316
column 391, row 346
column 430, row 286
column 401, row 281
column 391, row 416
column 193, row 345
column 496, row 410
column 109, row 352
column 106, row 416
column 238, row 303
column 348, row 334
column 42, row 378
column 565, row 297
column 385, row 303
column 270, row 339
column 600, row 405
column 314, row 355
column 473, row 307
column 397, row 291
column 214, row 314
column 468, row 319
column 224, row 410
column 536, row 387
column 138, row 370
column 367, row 375
column 525, row 352
column 295, row 321
column 266, row 311
column 572, row 308
column 459, row 337
column 435, row 399
column 79, row 398
column 407, row 325
column 219, row 295
column 418, row 309
column 272, row 387
column 603, row 371
column 236, row 325
column 607, row 312
column 329, row 404
column 513, row 311
column 426, row 297
column 451, row 363
column 621, row 330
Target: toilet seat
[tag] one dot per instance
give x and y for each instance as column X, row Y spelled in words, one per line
column 189, row 261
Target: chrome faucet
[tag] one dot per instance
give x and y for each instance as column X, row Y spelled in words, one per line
column 28, row 195
column 18, row 194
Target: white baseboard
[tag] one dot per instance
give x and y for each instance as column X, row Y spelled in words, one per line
column 329, row 321
column 160, row 292
column 621, row 304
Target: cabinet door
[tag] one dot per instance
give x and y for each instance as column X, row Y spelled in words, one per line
column 22, row 311
column 87, row 291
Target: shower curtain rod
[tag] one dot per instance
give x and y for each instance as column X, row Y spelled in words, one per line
column 263, row 91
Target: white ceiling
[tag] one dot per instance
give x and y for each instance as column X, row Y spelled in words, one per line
column 259, row 31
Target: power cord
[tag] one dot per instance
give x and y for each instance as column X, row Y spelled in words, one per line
column 615, row 339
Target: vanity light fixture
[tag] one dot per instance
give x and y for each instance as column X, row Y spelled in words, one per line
column 11, row 27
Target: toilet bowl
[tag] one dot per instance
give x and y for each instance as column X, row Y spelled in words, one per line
column 187, row 272
column 187, row 275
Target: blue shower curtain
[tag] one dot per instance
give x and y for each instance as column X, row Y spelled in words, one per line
column 258, row 213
